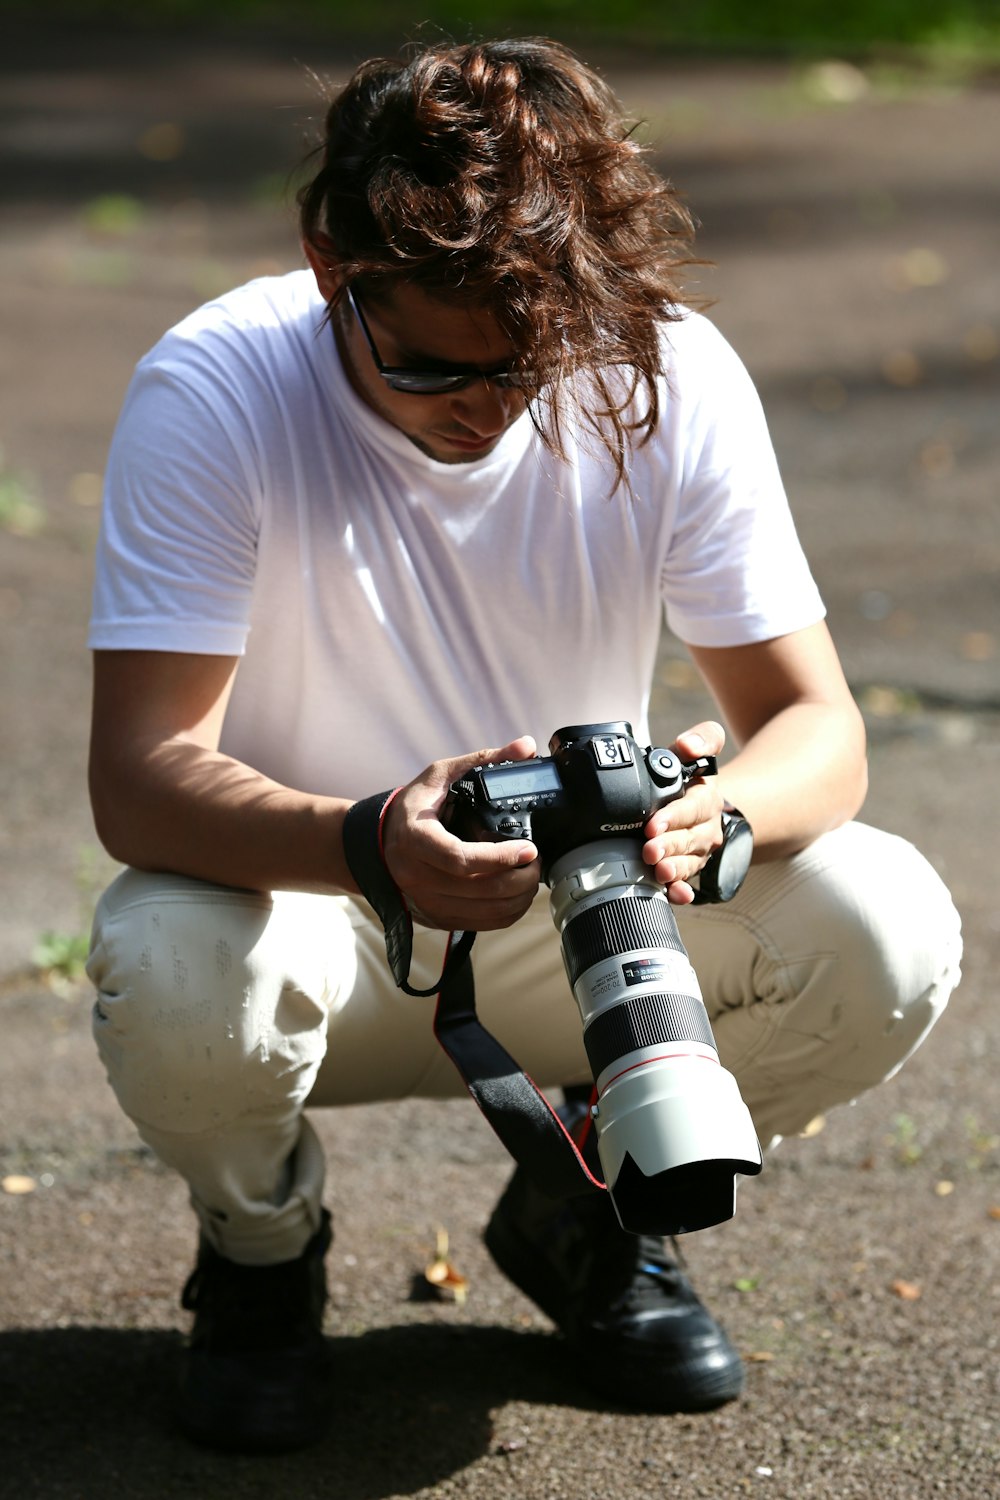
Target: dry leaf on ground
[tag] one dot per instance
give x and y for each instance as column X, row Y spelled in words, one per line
column 441, row 1274
column 16, row 1184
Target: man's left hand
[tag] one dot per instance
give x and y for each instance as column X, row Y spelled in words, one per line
column 682, row 835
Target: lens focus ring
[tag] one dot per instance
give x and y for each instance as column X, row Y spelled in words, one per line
column 622, row 925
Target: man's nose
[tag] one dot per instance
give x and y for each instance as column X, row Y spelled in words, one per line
column 484, row 408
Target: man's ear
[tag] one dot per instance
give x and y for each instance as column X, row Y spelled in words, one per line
column 321, row 254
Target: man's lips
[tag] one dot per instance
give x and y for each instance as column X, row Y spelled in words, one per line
column 467, row 445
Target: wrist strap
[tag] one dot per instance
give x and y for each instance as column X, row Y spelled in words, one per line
column 519, row 1113
column 366, row 862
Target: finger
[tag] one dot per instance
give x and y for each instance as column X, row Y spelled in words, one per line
column 672, row 872
column 467, row 916
column 423, row 844
column 460, row 912
column 523, row 748
column 700, row 804
column 706, row 738
column 444, row 772
column 490, row 885
column 480, row 859
column 419, row 837
column 654, row 852
column 480, row 856
column 674, row 877
column 679, row 893
column 667, row 866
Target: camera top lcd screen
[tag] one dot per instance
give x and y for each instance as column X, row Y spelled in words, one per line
column 523, row 780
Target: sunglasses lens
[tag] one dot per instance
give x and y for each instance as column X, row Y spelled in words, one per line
column 424, row 383
column 435, row 382
column 429, row 383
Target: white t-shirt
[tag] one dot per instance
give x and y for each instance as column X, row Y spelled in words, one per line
column 390, row 609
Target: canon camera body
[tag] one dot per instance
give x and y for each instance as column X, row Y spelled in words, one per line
column 672, row 1130
column 597, row 783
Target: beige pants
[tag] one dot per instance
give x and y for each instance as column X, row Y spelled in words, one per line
column 221, row 1013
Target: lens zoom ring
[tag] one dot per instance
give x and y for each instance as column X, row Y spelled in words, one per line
column 645, row 1021
column 620, row 925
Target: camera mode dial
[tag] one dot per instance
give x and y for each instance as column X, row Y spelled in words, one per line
column 665, row 769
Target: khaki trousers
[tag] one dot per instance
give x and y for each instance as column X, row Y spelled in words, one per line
column 220, row 1013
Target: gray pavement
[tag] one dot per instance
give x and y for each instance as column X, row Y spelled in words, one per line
column 855, row 222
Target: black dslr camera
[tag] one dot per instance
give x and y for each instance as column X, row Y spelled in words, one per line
column 672, row 1133
column 596, row 784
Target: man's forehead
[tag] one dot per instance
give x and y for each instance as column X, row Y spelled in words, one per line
column 435, row 327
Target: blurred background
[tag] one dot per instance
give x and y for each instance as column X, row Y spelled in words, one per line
column 843, row 163
column 841, row 160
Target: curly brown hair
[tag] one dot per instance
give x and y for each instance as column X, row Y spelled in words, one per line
column 505, row 174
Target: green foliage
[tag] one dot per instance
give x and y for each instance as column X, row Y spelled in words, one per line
column 62, row 955
column 967, row 27
column 983, row 1142
column 904, row 1141
column 21, row 512
column 113, row 215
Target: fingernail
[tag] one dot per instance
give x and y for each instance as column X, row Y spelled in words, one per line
column 696, row 741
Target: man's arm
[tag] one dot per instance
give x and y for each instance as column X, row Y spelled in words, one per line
column 800, row 767
column 165, row 798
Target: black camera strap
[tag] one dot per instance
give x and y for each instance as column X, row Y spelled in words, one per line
column 519, row 1113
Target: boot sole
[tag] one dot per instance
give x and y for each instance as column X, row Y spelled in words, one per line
column 629, row 1371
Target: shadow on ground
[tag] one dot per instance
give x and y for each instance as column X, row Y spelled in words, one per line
column 91, row 1409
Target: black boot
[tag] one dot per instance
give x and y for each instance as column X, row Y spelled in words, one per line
column 254, row 1371
column 628, row 1312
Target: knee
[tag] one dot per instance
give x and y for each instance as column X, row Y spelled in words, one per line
column 193, row 1020
column 886, row 948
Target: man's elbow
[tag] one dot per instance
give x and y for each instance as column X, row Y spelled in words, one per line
column 855, row 768
column 109, row 810
column 860, row 789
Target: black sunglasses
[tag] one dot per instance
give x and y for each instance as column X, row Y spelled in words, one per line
column 416, row 382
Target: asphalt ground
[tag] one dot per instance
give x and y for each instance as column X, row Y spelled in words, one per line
column 854, row 218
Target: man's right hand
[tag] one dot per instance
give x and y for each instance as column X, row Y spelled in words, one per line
column 446, row 883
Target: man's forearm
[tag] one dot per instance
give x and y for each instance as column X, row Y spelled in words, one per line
column 193, row 811
column 801, row 774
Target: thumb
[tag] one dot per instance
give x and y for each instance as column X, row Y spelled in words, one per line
column 706, row 738
column 523, row 748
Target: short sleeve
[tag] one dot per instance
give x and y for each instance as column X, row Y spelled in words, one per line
column 734, row 571
column 176, row 554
